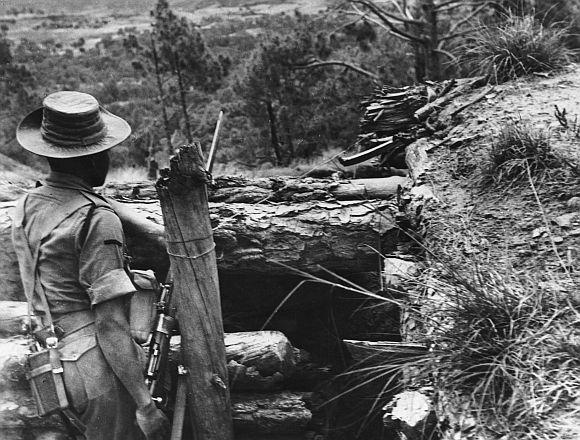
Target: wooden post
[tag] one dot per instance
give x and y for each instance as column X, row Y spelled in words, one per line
column 183, row 196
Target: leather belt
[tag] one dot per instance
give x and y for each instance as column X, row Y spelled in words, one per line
column 72, row 322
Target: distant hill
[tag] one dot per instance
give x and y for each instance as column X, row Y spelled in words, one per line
column 119, row 6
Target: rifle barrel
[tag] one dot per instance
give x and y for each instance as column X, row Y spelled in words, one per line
column 214, row 142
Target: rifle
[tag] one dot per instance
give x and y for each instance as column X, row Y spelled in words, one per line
column 165, row 323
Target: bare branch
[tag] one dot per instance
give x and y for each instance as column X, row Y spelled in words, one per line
column 315, row 63
column 448, row 3
column 460, row 23
column 387, row 25
column 452, row 4
column 350, row 23
column 398, row 6
column 387, row 16
column 455, row 35
column 448, row 54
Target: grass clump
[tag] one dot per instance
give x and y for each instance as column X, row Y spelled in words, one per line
column 517, row 148
column 505, row 350
column 519, row 46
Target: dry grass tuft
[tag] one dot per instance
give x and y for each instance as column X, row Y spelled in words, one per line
column 519, row 46
column 517, row 147
column 501, row 343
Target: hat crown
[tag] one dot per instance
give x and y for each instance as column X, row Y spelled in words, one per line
column 71, row 103
column 72, row 119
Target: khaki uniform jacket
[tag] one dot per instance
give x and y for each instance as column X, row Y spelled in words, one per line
column 69, row 245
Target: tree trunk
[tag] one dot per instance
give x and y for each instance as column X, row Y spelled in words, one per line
column 274, row 141
column 182, row 97
column 432, row 58
column 161, row 94
column 342, row 236
column 237, row 189
column 190, row 245
column 288, row 136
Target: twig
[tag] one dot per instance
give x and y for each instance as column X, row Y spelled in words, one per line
column 546, row 222
column 473, row 101
column 314, row 63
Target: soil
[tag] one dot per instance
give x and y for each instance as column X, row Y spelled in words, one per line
column 530, row 227
column 504, row 222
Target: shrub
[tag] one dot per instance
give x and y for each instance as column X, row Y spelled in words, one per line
column 517, row 148
column 518, row 46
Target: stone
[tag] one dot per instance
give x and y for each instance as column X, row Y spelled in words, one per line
column 396, row 271
column 413, row 413
column 574, row 204
column 567, row 220
column 539, row 232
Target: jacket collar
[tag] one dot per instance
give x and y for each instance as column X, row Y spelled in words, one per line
column 68, row 181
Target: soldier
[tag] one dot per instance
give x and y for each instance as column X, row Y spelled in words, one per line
column 69, row 243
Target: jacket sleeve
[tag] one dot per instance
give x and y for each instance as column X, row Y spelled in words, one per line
column 101, row 264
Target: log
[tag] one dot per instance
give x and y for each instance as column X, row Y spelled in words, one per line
column 383, row 352
column 256, row 414
column 183, row 196
column 232, row 189
column 256, row 361
column 338, row 235
column 281, row 414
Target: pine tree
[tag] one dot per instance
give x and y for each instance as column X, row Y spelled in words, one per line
column 179, row 49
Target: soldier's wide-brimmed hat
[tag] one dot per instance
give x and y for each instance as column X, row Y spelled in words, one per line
column 71, row 124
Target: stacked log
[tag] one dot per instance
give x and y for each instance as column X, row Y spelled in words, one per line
column 260, row 364
column 393, row 118
column 266, row 238
column 239, row 189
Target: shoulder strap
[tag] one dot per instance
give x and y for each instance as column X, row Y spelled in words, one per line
column 28, row 265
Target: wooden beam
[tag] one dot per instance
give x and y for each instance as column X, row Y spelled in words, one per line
column 183, row 196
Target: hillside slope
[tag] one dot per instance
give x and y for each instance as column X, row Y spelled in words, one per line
column 15, row 178
column 529, row 229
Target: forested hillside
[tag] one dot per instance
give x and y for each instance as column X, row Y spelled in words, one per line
column 289, row 82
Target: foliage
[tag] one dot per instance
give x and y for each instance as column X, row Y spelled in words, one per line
column 518, row 46
column 548, row 12
column 430, row 28
column 517, row 148
column 183, row 49
column 297, row 104
column 183, row 52
column 502, row 344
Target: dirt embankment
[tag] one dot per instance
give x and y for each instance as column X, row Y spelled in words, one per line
column 505, row 222
column 530, row 227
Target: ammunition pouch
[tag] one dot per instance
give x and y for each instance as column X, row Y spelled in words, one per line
column 44, row 369
column 142, row 310
column 44, row 373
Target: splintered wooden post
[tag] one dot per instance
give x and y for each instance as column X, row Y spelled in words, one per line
column 183, row 196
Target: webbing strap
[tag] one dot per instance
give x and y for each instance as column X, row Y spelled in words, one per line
column 30, row 284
